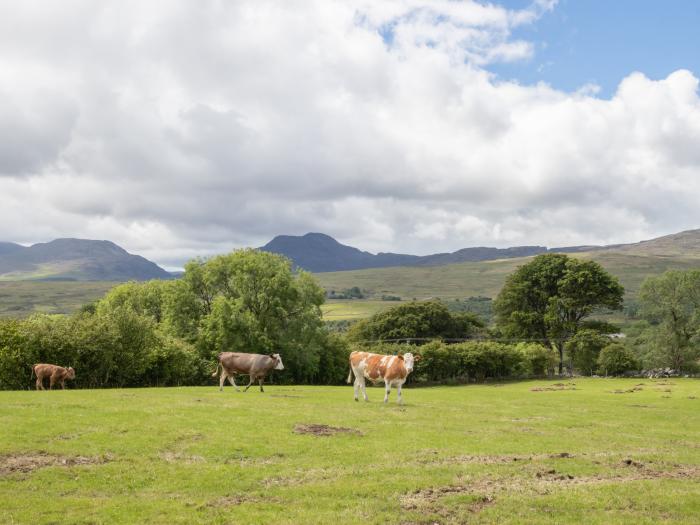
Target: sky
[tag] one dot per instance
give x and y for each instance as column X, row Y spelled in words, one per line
column 180, row 129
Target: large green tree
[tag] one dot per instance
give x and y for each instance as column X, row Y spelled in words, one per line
column 671, row 302
column 416, row 319
column 552, row 297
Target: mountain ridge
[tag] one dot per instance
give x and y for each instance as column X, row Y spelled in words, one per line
column 77, row 260
column 319, row 253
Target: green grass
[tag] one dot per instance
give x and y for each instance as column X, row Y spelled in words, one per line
column 341, row 310
column 22, row 298
column 499, row 453
column 486, row 278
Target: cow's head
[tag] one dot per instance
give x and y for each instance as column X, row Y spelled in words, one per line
column 278, row 359
column 71, row 373
column 409, row 359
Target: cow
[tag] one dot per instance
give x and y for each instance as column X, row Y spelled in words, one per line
column 55, row 373
column 391, row 369
column 257, row 366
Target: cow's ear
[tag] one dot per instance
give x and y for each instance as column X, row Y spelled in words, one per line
column 273, row 356
column 417, row 357
column 400, row 356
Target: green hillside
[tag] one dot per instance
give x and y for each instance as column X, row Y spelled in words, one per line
column 486, row 278
column 22, row 298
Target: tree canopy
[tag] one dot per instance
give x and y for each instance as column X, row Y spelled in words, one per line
column 551, row 297
column 671, row 302
column 416, row 320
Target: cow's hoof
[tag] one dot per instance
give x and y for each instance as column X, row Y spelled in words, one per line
column 356, row 400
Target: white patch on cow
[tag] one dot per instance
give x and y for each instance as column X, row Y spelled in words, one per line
column 279, row 365
column 408, row 361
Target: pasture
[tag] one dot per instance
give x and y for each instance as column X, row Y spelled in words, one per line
column 23, row 298
column 345, row 309
column 586, row 450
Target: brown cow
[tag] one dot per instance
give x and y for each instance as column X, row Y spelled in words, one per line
column 257, row 366
column 55, row 373
column 391, row 369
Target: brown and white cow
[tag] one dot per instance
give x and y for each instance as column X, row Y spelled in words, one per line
column 55, row 373
column 257, row 366
column 391, row 369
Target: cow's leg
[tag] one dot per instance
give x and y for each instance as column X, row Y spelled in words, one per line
column 261, row 383
column 387, row 389
column 398, row 393
column 364, row 388
column 52, row 381
column 40, row 383
column 63, row 384
column 357, row 386
column 222, row 380
column 252, row 379
column 232, row 380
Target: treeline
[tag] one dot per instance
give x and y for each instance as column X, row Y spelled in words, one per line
column 163, row 333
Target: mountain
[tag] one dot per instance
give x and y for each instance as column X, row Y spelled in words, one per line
column 630, row 263
column 317, row 252
column 75, row 260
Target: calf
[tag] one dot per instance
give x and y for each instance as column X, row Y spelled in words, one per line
column 257, row 366
column 391, row 369
column 55, row 373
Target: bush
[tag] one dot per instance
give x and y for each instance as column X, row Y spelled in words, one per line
column 470, row 361
column 616, row 359
column 540, row 360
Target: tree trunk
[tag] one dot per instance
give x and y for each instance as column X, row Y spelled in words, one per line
column 560, row 348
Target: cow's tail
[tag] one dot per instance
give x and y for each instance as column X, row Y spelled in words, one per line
column 218, row 365
column 349, row 379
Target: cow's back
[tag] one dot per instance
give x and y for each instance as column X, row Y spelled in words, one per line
column 241, row 363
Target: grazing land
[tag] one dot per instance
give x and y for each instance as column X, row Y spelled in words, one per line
column 486, row 278
column 22, row 298
column 353, row 309
column 581, row 451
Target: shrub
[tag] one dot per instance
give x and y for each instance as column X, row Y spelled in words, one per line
column 616, row 359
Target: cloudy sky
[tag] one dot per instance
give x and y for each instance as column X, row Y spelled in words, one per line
column 186, row 128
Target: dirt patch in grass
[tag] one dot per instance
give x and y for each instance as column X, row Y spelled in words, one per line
column 486, row 490
column 323, row 430
column 26, row 463
column 178, row 457
column 495, row 460
column 637, row 388
column 284, row 395
column 554, row 387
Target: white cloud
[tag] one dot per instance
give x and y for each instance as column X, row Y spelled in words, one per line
column 184, row 128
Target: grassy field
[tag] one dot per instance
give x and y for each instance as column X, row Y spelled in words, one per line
column 598, row 452
column 486, row 278
column 345, row 309
column 22, row 298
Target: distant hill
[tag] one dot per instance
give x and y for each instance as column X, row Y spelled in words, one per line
column 75, row 260
column 318, row 253
column 630, row 263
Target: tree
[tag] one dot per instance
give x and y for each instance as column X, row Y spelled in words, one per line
column 251, row 301
column 671, row 302
column 551, row 297
column 615, row 359
column 584, row 348
column 416, row 319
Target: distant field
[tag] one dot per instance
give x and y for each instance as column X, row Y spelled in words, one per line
column 22, row 298
column 354, row 309
column 486, row 278
column 462, row 280
column 594, row 451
